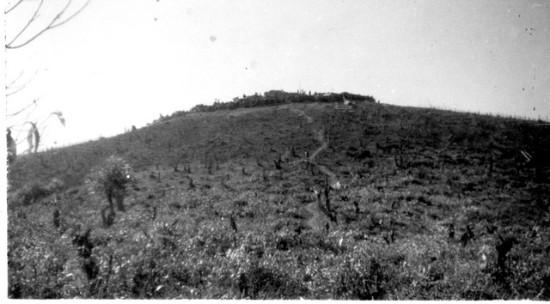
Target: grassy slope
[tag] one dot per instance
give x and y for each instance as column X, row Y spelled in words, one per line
column 412, row 172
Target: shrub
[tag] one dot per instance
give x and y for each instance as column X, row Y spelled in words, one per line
column 361, row 279
column 112, row 179
column 32, row 192
column 262, row 282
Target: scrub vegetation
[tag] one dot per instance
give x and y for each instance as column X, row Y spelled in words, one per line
column 314, row 200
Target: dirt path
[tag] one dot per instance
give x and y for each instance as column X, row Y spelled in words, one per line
column 324, row 144
column 315, row 222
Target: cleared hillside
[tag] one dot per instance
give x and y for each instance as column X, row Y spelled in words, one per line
column 226, row 206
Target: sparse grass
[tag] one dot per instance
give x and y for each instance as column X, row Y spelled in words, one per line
column 177, row 241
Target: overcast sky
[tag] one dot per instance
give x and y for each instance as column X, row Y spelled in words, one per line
column 124, row 62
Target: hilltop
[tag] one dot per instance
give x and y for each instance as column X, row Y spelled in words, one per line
column 273, row 98
column 259, row 198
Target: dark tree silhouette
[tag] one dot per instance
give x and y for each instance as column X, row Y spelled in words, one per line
column 467, row 236
column 503, row 248
column 233, row 223
column 12, row 148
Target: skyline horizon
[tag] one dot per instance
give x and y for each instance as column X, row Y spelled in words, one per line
column 150, row 58
column 545, row 120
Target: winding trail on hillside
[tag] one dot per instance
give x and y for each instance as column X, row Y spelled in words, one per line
column 324, row 144
column 315, row 221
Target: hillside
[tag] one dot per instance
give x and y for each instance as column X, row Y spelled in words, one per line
column 312, row 200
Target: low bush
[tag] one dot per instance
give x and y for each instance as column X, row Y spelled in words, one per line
column 361, row 279
column 112, row 179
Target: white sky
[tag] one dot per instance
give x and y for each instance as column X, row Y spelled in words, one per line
column 123, row 62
